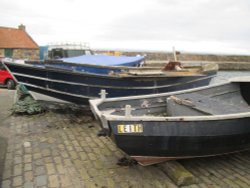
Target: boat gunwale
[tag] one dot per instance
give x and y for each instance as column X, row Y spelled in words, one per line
column 48, row 68
column 178, row 118
column 94, row 103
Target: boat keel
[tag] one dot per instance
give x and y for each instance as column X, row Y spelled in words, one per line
column 150, row 160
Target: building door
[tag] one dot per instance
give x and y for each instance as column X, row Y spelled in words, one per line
column 8, row 53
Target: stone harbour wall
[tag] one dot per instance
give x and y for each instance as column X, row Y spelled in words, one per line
column 225, row 62
column 190, row 56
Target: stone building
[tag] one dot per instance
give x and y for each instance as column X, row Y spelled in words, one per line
column 17, row 44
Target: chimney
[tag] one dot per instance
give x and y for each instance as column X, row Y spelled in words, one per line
column 21, row 27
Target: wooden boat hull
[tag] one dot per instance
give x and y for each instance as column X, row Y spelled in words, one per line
column 78, row 88
column 183, row 139
column 199, row 122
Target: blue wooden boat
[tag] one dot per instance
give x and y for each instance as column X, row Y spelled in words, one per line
column 58, row 84
column 199, row 122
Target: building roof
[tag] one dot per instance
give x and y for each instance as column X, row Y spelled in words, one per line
column 16, row 38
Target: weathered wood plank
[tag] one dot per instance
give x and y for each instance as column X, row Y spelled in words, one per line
column 177, row 173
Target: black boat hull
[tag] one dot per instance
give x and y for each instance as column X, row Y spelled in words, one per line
column 183, row 139
column 75, row 87
column 205, row 121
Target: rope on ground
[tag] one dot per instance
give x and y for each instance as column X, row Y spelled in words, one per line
column 25, row 104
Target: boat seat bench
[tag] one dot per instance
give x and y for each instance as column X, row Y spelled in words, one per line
column 202, row 104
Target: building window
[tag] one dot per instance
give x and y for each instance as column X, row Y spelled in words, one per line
column 8, row 53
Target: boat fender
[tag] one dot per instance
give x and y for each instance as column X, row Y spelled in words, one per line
column 103, row 132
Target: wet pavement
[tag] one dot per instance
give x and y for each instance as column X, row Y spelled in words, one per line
column 58, row 149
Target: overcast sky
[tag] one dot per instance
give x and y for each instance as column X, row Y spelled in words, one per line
column 210, row 26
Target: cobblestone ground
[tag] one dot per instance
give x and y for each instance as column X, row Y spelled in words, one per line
column 221, row 171
column 62, row 150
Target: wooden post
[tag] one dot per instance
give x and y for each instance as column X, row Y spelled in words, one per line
column 175, row 57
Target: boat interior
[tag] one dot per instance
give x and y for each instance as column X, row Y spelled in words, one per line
column 144, row 70
column 231, row 98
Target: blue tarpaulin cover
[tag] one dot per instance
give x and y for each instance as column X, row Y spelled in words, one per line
column 105, row 60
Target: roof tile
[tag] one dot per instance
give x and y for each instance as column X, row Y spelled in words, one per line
column 16, row 38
